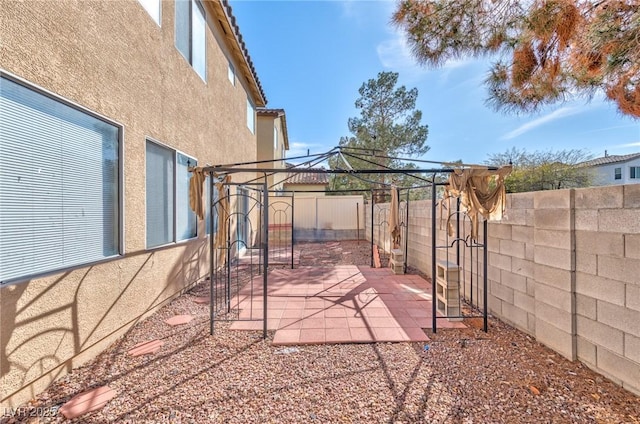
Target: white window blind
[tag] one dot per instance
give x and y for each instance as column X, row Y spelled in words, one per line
column 160, row 177
column 169, row 216
column 59, row 184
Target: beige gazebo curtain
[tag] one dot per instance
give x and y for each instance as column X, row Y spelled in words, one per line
column 394, row 221
column 197, row 204
column 481, row 192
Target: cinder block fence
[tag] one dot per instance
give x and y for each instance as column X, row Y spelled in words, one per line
column 564, row 267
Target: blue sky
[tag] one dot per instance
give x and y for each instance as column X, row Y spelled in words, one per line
column 312, row 57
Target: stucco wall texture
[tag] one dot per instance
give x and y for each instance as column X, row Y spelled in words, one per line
column 563, row 266
column 112, row 58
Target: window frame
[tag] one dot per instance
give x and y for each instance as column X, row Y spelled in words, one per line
column 634, row 172
column 121, row 186
column 617, row 173
column 231, row 73
column 144, row 6
column 175, row 240
column 189, row 56
column 275, row 138
column 251, row 107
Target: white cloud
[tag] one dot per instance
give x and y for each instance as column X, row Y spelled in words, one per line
column 364, row 11
column 563, row 112
column 626, row 145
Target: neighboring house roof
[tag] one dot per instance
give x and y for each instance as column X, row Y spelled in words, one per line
column 609, row 159
column 304, row 178
column 234, row 39
column 283, row 119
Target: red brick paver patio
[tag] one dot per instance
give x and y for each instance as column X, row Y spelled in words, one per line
column 340, row 304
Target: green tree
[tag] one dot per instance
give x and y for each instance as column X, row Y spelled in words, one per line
column 544, row 170
column 388, row 126
column 548, row 49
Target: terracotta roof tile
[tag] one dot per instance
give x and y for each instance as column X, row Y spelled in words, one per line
column 307, row 178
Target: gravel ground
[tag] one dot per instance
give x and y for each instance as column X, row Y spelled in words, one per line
column 461, row 376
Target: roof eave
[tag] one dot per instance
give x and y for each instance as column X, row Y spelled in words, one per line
column 222, row 11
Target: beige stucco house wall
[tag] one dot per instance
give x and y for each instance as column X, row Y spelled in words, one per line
column 311, row 189
column 113, row 59
column 273, row 141
column 307, row 184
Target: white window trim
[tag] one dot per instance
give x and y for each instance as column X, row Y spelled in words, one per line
column 175, row 200
column 250, row 105
column 231, row 73
column 121, row 186
column 189, row 59
column 159, row 21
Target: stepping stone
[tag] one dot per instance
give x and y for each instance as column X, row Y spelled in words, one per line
column 86, row 402
column 146, row 348
column 179, row 320
column 202, row 300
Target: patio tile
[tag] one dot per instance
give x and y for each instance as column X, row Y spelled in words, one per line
column 354, row 322
column 86, row 402
column 406, row 321
column 336, row 322
column 292, row 313
column 347, row 304
column 149, row 347
column 313, row 313
column 337, row 335
column 273, row 323
column 312, row 335
column 251, row 313
column 360, row 335
column 274, row 313
column 335, row 312
column 290, row 323
column 416, row 334
column 287, row 336
column 419, row 312
column 376, row 312
column 313, row 323
column 423, row 322
column 381, row 322
column 295, row 303
column 179, row 320
column 390, row 334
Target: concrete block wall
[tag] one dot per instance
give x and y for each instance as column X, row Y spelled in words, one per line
column 607, row 281
column 563, row 266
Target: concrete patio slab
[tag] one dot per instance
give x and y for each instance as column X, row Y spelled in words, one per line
column 340, row 304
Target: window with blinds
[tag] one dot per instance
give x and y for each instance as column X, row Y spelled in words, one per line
column 59, row 184
column 190, row 34
column 169, row 216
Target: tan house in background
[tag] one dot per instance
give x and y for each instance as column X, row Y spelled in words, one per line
column 307, row 184
column 273, row 141
column 103, row 107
